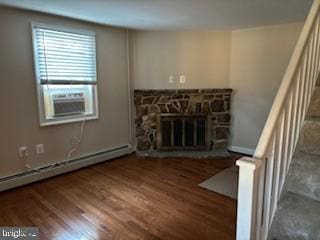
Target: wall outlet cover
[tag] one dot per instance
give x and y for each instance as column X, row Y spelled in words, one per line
column 183, row 79
column 39, row 148
column 23, row 152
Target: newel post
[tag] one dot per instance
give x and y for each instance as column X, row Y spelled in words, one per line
column 247, row 198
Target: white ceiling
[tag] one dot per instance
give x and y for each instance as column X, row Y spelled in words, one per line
column 174, row 14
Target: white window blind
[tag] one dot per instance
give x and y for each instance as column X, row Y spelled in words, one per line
column 65, row 57
column 65, row 66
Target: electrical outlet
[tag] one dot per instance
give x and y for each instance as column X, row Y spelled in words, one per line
column 39, row 149
column 23, row 152
column 171, row 79
column 183, row 79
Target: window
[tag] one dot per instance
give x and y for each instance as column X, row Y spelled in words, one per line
column 65, row 65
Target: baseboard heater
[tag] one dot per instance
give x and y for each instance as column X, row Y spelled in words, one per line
column 62, row 167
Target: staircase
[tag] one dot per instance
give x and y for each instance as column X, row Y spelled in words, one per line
column 298, row 213
column 279, row 187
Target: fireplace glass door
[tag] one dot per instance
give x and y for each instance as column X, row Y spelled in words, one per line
column 183, row 132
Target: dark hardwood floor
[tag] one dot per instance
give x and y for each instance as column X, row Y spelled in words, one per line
column 127, row 198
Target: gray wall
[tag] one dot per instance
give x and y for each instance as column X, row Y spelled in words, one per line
column 202, row 56
column 259, row 58
column 18, row 98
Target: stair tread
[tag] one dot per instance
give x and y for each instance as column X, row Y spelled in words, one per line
column 313, row 118
column 309, row 140
column 297, row 218
column 303, row 177
column 314, row 107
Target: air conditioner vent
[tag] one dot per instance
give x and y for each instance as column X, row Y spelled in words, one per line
column 68, row 104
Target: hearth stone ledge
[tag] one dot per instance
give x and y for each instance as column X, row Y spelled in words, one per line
column 181, row 91
column 217, row 153
column 150, row 103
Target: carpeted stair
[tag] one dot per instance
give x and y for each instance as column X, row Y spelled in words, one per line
column 298, row 213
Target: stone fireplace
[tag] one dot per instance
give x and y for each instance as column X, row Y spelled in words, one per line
column 193, row 119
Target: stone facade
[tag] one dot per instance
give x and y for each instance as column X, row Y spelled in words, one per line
column 150, row 103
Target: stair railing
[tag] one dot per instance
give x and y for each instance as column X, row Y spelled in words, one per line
column 262, row 177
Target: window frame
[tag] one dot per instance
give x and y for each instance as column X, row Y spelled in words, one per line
column 43, row 120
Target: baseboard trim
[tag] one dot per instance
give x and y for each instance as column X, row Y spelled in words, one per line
column 243, row 150
column 74, row 164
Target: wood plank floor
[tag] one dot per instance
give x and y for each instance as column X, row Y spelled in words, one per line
column 126, row 198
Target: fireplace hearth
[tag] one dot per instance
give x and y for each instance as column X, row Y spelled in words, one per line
column 191, row 119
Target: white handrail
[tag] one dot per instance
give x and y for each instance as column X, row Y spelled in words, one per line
column 262, row 177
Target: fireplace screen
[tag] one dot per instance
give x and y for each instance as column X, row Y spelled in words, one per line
column 183, row 132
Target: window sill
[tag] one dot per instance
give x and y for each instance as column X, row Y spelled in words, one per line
column 44, row 123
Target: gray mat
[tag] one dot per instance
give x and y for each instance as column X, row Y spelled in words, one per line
column 225, row 182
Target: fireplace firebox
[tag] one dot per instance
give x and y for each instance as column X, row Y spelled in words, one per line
column 184, row 132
